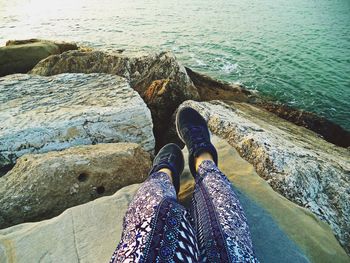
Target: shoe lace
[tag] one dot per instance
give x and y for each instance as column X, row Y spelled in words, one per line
column 164, row 159
column 196, row 136
column 167, row 159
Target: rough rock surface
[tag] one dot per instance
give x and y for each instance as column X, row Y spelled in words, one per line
column 41, row 114
column 63, row 46
column 140, row 68
column 20, row 56
column 329, row 130
column 294, row 161
column 87, row 233
column 212, row 89
column 41, row 186
column 281, row 231
column 158, row 77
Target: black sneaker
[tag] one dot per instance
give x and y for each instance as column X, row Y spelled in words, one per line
column 193, row 131
column 170, row 156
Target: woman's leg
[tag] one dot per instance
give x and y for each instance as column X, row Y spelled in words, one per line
column 156, row 228
column 222, row 230
column 221, row 226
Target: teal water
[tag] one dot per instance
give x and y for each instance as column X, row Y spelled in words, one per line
column 296, row 52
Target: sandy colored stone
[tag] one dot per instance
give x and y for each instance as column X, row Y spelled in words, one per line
column 293, row 160
column 87, row 233
column 42, row 186
column 42, row 114
column 140, row 68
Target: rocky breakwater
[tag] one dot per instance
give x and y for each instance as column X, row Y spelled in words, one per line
column 100, row 98
column 293, row 160
column 42, row 114
column 164, row 84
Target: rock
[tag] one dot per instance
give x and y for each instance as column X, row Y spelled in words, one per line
column 158, row 77
column 20, row 56
column 330, row 131
column 63, row 46
column 85, row 233
column 140, row 68
column 42, row 114
column 163, row 97
column 294, row 161
column 41, row 186
column 212, row 89
column 281, row 231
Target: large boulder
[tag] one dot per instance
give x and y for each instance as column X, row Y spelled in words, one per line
column 140, row 68
column 20, row 56
column 63, row 46
column 41, row 186
column 85, row 233
column 281, row 230
column 294, row 161
column 42, row 114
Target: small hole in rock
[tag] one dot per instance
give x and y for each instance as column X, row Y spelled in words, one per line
column 100, row 190
column 82, row 177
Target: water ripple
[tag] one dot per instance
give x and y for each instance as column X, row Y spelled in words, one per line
column 296, row 52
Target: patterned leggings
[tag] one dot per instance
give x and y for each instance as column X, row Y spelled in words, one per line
column 158, row 229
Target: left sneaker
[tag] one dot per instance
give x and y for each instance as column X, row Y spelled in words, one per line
column 171, row 157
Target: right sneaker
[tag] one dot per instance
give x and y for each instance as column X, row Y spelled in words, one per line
column 193, row 131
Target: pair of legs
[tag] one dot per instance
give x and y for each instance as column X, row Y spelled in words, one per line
column 157, row 228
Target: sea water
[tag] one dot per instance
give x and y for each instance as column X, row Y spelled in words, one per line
column 294, row 52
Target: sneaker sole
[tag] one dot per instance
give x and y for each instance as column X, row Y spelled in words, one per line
column 177, row 127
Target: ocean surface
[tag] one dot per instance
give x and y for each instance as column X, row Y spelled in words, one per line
column 295, row 52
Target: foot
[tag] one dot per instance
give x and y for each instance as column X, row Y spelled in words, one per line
column 193, row 131
column 170, row 157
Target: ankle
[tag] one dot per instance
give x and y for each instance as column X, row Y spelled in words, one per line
column 205, row 156
column 168, row 172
